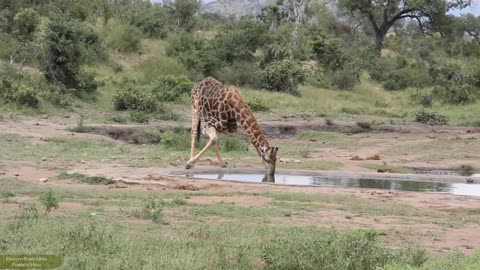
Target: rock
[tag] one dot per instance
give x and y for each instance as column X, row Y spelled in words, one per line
column 44, row 180
column 357, row 158
column 83, row 161
column 44, row 159
column 374, row 157
column 289, row 160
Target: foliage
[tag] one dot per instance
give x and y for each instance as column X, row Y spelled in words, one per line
column 431, row 118
column 139, row 117
column 153, row 67
column 19, row 94
column 170, row 88
column 49, row 201
column 233, row 144
column 195, row 53
column 131, row 97
column 121, row 37
column 25, row 24
column 150, row 19
column 382, row 16
column 283, row 76
column 239, row 41
column 182, row 13
column 239, row 73
column 63, row 56
column 355, row 250
column 466, row 170
column 454, row 85
column 257, row 104
column 345, row 79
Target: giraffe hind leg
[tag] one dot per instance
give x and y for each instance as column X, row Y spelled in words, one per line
column 195, row 132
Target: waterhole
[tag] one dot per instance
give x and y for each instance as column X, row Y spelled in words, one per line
column 386, row 184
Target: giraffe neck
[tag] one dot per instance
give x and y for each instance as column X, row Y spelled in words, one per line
column 245, row 117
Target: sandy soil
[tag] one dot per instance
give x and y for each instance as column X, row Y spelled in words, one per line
column 434, row 236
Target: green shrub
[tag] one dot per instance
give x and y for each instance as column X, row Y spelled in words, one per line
column 422, row 97
column 195, row 53
column 49, row 201
column 327, row 250
column 431, row 118
column 345, row 79
column 284, row 76
column 139, row 117
column 454, row 93
column 131, row 97
column 122, row 37
column 176, row 140
column 65, row 46
column 239, row 73
column 454, row 84
column 233, row 144
column 466, row 170
column 170, row 88
column 153, row 67
column 257, row 104
column 152, row 209
column 23, row 95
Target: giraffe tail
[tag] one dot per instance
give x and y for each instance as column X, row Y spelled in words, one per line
column 198, row 130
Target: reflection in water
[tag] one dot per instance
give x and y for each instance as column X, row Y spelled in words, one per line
column 268, row 178
column 454, row 188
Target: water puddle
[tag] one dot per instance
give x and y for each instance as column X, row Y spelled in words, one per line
column 401, row 185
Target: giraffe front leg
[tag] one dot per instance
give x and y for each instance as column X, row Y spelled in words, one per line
column 212, row 134
column 220, row 160
column 194, row 131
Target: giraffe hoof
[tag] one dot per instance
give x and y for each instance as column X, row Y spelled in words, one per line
column 224, row 166
column 188, row 166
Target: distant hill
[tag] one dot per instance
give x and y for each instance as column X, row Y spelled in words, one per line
column 236, row 7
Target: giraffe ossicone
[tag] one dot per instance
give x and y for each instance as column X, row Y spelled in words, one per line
column 222, row 108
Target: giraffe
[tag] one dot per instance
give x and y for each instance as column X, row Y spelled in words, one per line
column 222, row 107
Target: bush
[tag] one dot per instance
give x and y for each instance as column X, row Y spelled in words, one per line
column 421, row 97
column 153, row 67
column 233, row 144
column 431, row 118
column 179, row 140
column 345, row 79
column 283, row 76
column 170, row 88
column 139, row 117
column 49, row 201
column 257, row 104
column 122, row 37
column 453, row 93
column 195, row 53
column 23, row 95
column 132, row 98
column 454, row 85
column 65, row 46
column 327, row 250
column 239, row 73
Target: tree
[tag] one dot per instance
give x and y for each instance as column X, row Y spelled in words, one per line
column 383, row 14
column 183, row 12
column 25, row 23
column 471, row 25
column 64, row 53
column 298, row 8
column 273, row 15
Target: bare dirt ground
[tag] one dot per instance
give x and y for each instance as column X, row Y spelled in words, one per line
column 393, row 147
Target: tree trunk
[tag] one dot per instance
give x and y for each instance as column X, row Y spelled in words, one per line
column 379, row 39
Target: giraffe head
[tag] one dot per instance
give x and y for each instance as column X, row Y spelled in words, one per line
column 269, row 156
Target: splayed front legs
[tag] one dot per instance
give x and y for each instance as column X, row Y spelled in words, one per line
column 213, row 141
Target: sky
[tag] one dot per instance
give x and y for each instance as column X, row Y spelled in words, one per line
column 475, row 8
